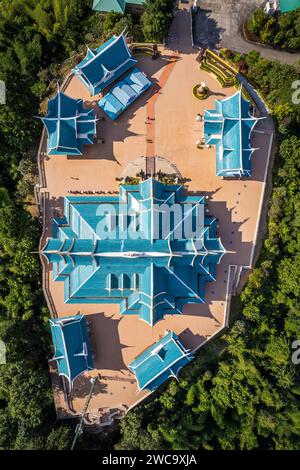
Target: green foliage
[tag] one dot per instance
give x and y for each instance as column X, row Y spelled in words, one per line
column 60, row 438
column 258, row 21
column 281, row 31
column 24, row 390
column 116, row 23
column 156, row 19
column 135, row 437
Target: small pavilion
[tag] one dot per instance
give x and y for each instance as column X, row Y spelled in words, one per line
column 102, row 66
column 160, row 361
column 229, row 128
column 69, row 125
column 72, row 351
column 118, row 6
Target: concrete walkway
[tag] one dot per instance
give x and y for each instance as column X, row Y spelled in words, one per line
column 219, row 24
column 151, row 112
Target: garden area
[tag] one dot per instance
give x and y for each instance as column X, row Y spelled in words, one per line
column 224, row 72
column 279, row 30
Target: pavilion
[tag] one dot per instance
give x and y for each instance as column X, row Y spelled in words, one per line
column 124, row 93
column 72, row 351
column 102, row 66
column 160, row 361
column 69, row 125
column 138, row 250
column 118, row 6
column 229, row 128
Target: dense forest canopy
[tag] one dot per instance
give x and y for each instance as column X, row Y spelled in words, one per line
column 242, row 391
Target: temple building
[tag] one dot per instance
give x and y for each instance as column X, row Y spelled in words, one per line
column 69, row 125
column 160, row 361
column 152, row 250
column 229, row 128
column 104, row 65
column 72, row 351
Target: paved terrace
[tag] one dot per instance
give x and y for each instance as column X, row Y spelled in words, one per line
column 172, row 134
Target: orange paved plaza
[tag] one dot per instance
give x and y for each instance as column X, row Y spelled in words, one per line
column 171, row 133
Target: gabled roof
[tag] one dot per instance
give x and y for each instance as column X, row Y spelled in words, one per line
column 229, row 128
column 160, row 361
column 122, row 250
column 104, row 65
column 124, row 93
column 109, row 5
column 71, row 346
column 69, row 125
column 118, row 6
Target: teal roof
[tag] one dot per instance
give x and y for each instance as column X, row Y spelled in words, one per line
column 71, row 346
column 69, row 125
column 289, row 5
column 118, row 6
column 160, row 361
column 130, row 250
column 124, row 93
column 102, row 66
column 229, row 128
column 109, row 5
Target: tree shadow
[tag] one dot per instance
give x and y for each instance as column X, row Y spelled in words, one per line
column 187, row 337
column 179, row 36
column 82, row 386
column 207, row 33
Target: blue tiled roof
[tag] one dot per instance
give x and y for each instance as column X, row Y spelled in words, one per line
column 137, row 81
column 104, row 65
column 122, row 250
column 160, row 361
column 71, row 346
column 124, row 93
column 117, row 6
column 229, row 128
column 111, row 106
column 69, row 125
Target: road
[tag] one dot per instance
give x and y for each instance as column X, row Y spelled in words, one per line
column 219, row 24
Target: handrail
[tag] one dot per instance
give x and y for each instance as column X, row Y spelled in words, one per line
column 232, row 68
